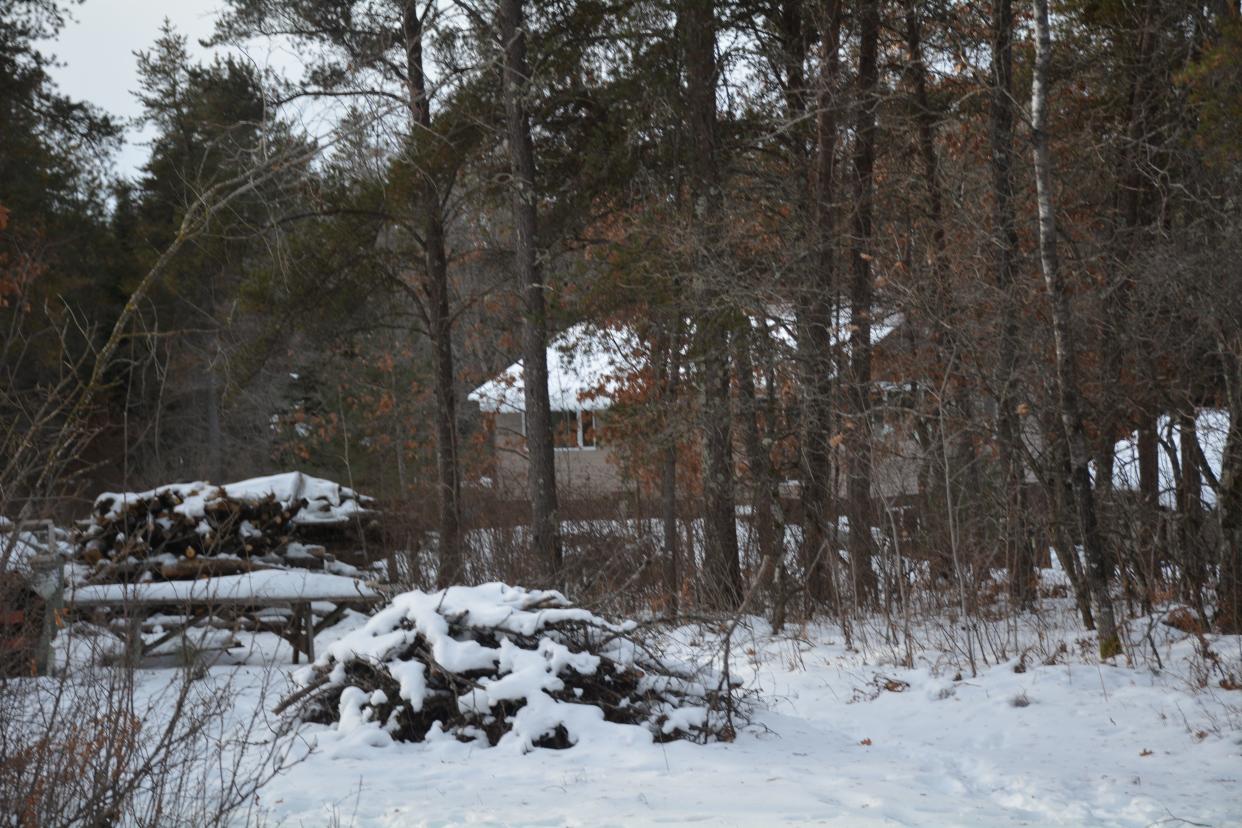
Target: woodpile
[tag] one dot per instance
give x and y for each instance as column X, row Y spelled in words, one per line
column 198, row 529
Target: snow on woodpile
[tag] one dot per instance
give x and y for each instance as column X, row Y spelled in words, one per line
column 172, row 530
column 505, row 666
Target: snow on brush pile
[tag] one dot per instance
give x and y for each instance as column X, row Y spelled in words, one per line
column 501, row 664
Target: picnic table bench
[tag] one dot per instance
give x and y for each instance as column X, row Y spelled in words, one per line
column 297, row 590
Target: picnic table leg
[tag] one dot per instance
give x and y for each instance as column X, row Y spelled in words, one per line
column 293, row 631
column 133, row 637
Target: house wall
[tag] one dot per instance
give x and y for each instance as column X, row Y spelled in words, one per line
column 580, row 473
column 895, row 468
column 592, row 472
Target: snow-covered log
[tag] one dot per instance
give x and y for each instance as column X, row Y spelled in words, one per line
column 506, row 666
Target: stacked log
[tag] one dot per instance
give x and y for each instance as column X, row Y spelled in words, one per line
column 198, row 529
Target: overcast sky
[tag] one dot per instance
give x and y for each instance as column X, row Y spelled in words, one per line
column 97, row 50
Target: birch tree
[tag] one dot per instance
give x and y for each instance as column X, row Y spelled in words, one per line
column 1069, row 399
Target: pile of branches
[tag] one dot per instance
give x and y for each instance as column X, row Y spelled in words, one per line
column 196, row 529
column 504, row 665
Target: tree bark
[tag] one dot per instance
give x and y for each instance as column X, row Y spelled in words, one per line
column 435, row 262
column 1062, row 496
column 1069, row 400
column 1149, row 498
column 215, row 436
column 720, row 555
column 815, row 324
column 1005, row 243
column 669, row 374
column 542, row 478
column 1228, row 618
column 763, row 495
column 858, row 429
column 1190, row 512
column 925, row 121
column 1119, row 320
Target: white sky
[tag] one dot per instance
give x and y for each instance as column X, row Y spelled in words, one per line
column 97, row 49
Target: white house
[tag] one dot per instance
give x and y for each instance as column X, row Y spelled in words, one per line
column 585, row 363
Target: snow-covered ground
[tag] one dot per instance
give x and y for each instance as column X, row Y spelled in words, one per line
column 843, row 737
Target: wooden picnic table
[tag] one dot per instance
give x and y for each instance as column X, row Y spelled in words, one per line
column 296, row 589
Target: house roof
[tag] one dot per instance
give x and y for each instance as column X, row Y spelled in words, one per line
column 582, row 360
column 588, row 361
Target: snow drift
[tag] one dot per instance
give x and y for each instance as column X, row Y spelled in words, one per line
column 503, row 665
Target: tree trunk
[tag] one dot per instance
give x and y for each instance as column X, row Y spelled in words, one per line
column 720, row 555
column 545, row 538
column 925, row 120
column 858, row 428
column 669, row 371
column 763, row 495
column 439, row 319
column 1229, row 498
column 1005, row 243
column 1145, row 562
column 1190, row 512
column 1062, row 496
column 1063, row 335
column 815, row 325
column 1119, row 320
column 215, row 438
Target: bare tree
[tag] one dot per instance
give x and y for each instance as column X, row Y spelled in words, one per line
column 1068, row 395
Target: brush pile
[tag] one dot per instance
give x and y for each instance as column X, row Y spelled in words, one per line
column 502, row 665
column 194, row 529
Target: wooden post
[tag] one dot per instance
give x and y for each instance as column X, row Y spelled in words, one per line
column 48, row 581
column 309, row 626
column 133, row 637
column 293, row 631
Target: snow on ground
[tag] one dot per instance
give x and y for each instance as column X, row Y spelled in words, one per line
column 841, row 737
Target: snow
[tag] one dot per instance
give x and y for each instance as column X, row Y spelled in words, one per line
column 782, row 325
column 263, row 585
column 1211, row 429
column 588, row 362
column 327, row 502
column 868, row 734
column 17, row 547
column 582, row 360
column 522, row 675
column 1096, row 744
column 82, row 644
